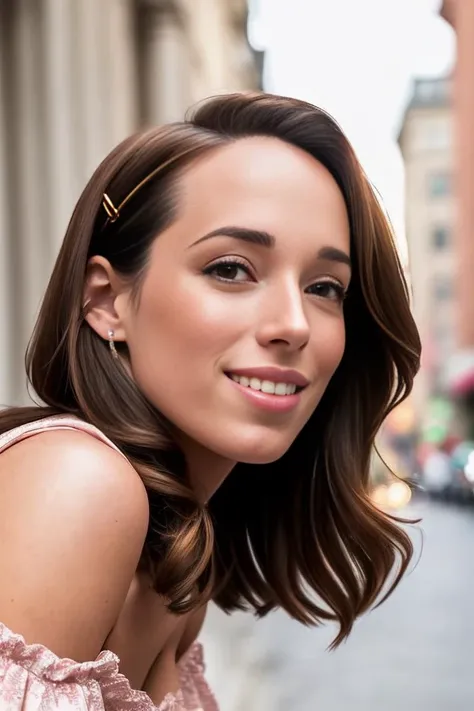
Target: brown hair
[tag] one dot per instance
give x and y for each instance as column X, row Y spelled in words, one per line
column 307, row 538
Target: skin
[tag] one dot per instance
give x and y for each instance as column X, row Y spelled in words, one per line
column 194, row 327
column 282, row 307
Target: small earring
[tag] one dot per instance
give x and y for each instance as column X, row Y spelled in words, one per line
column 113, row 350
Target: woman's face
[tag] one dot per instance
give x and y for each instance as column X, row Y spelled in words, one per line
column 240, row 326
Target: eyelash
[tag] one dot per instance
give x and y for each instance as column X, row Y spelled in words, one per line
column 228, row 262
column 235, row 262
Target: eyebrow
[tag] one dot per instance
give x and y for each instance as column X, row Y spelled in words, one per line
column 244, row 234
column 264, row 239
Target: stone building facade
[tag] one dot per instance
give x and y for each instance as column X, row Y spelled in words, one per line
column 460, row 14
column 76, row 77
column 426, row 144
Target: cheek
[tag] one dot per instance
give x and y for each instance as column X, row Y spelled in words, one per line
column 330, row 343
column 182, row 328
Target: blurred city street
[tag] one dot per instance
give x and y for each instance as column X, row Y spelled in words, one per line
column 412, row 654
column 79, row 76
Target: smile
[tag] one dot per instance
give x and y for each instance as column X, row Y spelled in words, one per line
column 272, row 389
column 266, row 386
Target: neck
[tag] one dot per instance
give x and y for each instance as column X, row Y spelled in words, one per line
column 206, row 470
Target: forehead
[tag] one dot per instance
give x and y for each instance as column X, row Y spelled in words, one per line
column 265, row 184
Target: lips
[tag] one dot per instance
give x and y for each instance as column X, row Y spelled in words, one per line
column 275, row 390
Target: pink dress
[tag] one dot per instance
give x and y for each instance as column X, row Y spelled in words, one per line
column 32, row 678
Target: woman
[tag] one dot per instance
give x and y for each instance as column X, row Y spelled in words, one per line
column 226, row 328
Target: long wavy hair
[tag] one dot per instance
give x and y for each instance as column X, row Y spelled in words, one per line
column 300, row 533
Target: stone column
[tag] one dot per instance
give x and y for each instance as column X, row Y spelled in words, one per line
column 69, row 95
column 59, row 178
column 90, row 101
column 28, row 243
column 6, row 393
column 164, row 78
column 120, row 80
column 213, row 40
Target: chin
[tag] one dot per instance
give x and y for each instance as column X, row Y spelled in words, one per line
column 261, row 458
column 260, row 453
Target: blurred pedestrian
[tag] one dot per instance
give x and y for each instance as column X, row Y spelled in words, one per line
column 226, row 328
column 437, row 471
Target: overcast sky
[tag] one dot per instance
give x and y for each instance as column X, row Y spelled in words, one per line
column 356, row 59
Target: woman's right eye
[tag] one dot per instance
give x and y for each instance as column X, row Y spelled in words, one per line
column 229, row 271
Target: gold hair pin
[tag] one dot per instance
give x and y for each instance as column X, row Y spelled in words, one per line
column 110, row 208
column 113, row 213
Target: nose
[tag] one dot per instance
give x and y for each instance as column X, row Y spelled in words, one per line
column 283, row 320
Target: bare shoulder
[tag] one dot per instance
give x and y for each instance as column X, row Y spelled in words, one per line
column 68, row 451
column 73, row 520
column 70, row 475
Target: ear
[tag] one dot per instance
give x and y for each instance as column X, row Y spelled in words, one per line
column 101, row 289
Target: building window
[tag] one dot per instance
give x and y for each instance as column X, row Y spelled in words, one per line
column 430, row 90
column 439, row 184
column 442, row 288
column 440, row 237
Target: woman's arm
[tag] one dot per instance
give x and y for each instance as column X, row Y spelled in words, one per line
column 73, row 519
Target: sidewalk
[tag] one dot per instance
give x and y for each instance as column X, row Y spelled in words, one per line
column 238, row 670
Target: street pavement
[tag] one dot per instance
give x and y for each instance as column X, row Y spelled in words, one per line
column 414, row 653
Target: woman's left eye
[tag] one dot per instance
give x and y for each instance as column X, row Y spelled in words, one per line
column 328, row 290
column 229, row 271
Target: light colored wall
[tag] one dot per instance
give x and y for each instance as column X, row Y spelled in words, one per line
column 77, row 77
column 220, row 54
column 427, row 147
column 463, row 12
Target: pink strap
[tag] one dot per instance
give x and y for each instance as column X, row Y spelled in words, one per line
column 56, row 422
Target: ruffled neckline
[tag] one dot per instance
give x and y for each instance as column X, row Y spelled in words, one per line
column 45, row 664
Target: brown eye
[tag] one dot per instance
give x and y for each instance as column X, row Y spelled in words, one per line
column 227, row 271
column 328, row 290
column 230, row 271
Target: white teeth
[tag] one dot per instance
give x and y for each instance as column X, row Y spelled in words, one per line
column 266, row 386
column 255, row 384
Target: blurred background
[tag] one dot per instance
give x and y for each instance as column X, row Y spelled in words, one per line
column 77, row 76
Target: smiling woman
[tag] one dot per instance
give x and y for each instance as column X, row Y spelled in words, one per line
column 225, row 330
